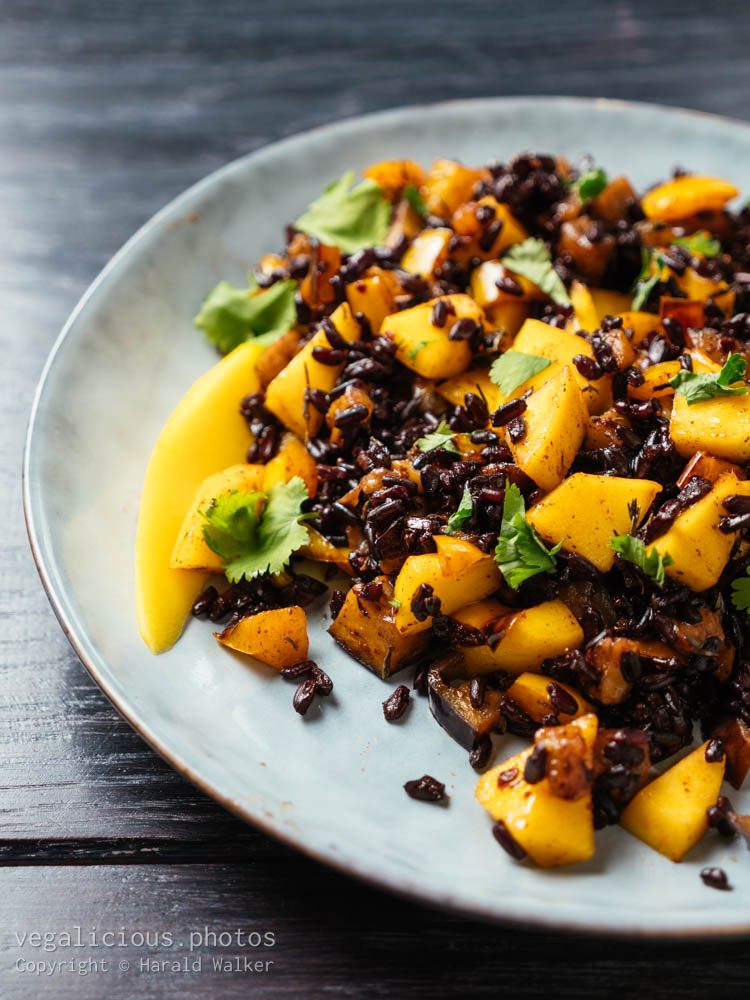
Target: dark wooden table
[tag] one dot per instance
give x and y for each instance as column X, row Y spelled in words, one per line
column 108, row 110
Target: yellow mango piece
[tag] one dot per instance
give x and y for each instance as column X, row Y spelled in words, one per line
column 190, row 550
column 585, row 313
column 529, row 692
column 530, row 636
column 686, row 196
column 476, row 380
column 556, row 415
column 483, row 285
column 655, row 381
column 508, row 317
column 669, row 814
column 319, row 549
column 719, row 426
column 204, row 434
column 586, row 511
column 608, row 303
column 601, row 430
column 371, row 296
column 447, row 185
column 561, row 346
column 641, row 323
column 427, row 250
column 285, row 394
column 699, row 549
column 553, row 831
column 511, row 231
column 455, row 574
column 697, row 287
column 292, row 459
column 425, row 348
column 277, row 637
column 394, row 175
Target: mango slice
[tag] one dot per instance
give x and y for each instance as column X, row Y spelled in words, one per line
column 529, row 692
column 553, row 831
column 687, row 195
column 586, row 511
column 426, row 348
column 204, row 434
column 426, row 252
column 555, row 418
column 458, row 572
column 529, row 636
column 718, row 426
column 285, row 395
column 669, row 814
column 277, row 637
column 699, row 549
column 561, row 346
column 190, row 550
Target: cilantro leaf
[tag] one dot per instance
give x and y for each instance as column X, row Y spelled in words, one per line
column 415, row 199
column 531, row 259
column 590, row 184
column 250, row 543
column 700, row 243
column 442, row 437
column 711, row 385
column 646, row 282
column 462, row 514
column 230, row 315
column 411, row 355
column 741, row 592
column 633, row 550
column 514, row 368
column 350, row 218
column 520, row 552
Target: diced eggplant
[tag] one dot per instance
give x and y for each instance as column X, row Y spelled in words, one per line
column 451, row 705
column 366, row 629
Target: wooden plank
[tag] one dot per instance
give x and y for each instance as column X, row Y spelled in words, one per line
column 362, row 946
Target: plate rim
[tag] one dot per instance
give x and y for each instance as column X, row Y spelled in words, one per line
column 413, row 892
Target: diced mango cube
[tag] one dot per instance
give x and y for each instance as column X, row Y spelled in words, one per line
column 686, row 196
column 277, row 637
column 529, row 692
column 700, row 550
column 556, row 415
column 426, row 348
column 669, row 814
column 586, row 511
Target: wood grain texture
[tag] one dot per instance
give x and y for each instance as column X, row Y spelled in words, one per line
column 107, row 110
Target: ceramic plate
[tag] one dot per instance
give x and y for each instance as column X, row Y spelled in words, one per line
column 331, row 783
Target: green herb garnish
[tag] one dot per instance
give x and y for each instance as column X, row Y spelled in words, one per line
column 590, row 184
column 531, row 259
column 350, row 218
column 411, row 355
column 442, row 437
column 711, row 385
column 230, row 315
column 633, row 550
column 645, row 282
column 514, row 368
column 700, row 243
column 741, row 592
column 461, row 515
column 252, row 543
column 520, row 552
column 415, row 200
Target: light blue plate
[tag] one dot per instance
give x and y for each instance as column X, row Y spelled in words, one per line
column 329, row 784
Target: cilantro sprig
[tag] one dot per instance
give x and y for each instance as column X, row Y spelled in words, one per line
column 257, row 533
column 711, row 385
column 531, row 259
column 590, row 184
column 741, row 592
column 520, row 552
column 415, row 199
column 701, row 243
column 348, row 217
column 514, row 368
column 441, row 437
column 646, row 280
column 462, row 514
column 230, row 316
column 633, row 550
